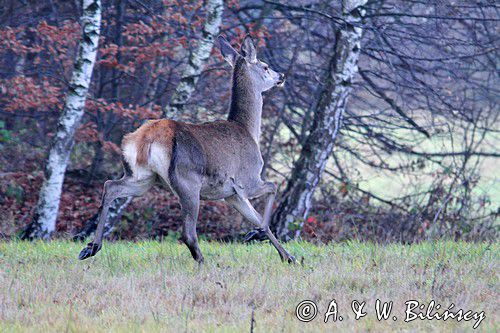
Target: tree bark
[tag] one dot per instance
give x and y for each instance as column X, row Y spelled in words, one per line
column 44, row 219
column 293, row 209
column 197, row 60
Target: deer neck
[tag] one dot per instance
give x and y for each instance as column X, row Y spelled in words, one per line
column 246, row 102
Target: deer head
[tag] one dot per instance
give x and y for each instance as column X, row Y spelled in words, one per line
column 258, row 72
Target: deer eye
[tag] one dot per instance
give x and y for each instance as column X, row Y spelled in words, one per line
column 266, row 68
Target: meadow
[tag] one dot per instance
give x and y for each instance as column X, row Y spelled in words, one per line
column 156, row 286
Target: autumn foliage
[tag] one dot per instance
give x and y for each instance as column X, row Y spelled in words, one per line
column 143, row 49
column 139, row 58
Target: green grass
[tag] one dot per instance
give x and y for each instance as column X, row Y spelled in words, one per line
column 153, row 286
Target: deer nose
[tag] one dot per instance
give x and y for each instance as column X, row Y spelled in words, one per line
column 281, row 81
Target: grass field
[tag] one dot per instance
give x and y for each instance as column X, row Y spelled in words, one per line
column 152, row 286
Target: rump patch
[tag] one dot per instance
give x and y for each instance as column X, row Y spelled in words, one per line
column 149, row 148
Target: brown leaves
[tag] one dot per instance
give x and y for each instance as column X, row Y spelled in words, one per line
column 24, row 94
column 130, row 111
column 89, row 132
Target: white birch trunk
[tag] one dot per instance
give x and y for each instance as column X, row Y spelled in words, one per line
column 197, row 60
column 329, row 110
column 44, row 220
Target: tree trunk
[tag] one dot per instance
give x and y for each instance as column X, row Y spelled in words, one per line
column 44, row 219
column 292, row 211
column 197, row 60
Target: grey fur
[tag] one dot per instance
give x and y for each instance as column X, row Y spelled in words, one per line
column 218, row 160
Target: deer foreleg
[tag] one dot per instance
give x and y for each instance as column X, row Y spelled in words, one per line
column 246, row 209
column 269, row 189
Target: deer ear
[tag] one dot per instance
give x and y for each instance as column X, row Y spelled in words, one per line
column 228, row 52
column 248, row 50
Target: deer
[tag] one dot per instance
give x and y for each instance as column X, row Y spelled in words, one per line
column 219, row 160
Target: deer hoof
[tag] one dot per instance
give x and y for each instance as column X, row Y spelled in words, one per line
column 89, row 251
column 291, row 260
column 255, row 234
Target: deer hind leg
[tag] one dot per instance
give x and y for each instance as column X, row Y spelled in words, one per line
column 246, row 209
column 114, row 189
column 190, row 205
column 187, row 189
column 184, row 176
column 186, row 185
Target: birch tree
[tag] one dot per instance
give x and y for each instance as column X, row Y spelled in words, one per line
column 328, row 113
column 197, row 60
column 44, row 219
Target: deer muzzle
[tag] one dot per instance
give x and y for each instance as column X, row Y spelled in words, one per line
column 281, row 80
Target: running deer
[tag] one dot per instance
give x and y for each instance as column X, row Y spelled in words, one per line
column 218, row 160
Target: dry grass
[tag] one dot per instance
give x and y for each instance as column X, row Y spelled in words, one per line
column 151, row 286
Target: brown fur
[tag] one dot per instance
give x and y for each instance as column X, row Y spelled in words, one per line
column 160, row 131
